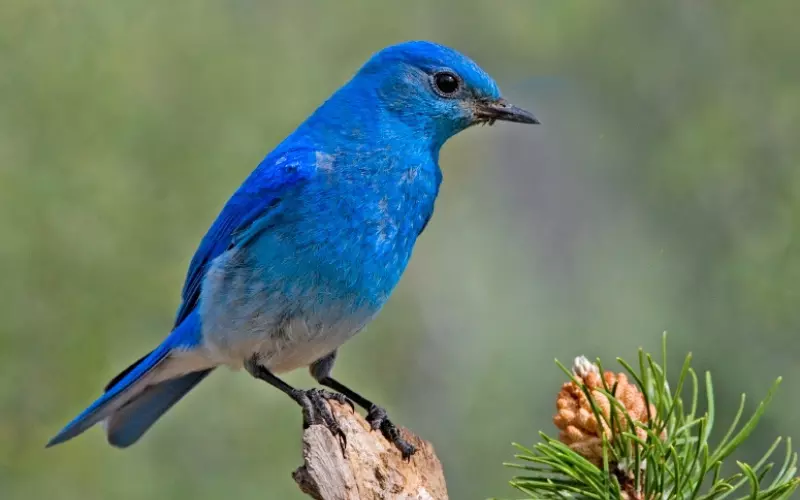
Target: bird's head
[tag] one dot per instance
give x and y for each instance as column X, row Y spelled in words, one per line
column 433, row 90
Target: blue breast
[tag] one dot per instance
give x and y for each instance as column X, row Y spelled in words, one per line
column 347, row 236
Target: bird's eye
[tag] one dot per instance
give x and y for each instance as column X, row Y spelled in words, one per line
column 446, row 83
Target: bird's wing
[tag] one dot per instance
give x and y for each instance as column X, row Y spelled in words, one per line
column 257, row 197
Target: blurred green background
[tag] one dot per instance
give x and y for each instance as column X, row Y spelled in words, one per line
column 662, row 192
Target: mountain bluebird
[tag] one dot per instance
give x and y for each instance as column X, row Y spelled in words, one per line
column 306, row 252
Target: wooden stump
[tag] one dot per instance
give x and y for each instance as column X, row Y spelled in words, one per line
column 371, row 468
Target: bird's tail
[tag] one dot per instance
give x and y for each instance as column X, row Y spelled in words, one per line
column 138, row 396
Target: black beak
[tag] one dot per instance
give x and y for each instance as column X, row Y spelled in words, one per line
column 502, row 110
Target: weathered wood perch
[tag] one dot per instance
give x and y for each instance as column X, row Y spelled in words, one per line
column 370, row 469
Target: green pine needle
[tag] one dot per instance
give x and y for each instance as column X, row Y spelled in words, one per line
column 685, row 465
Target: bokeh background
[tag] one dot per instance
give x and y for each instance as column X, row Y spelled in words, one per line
column 662, row 192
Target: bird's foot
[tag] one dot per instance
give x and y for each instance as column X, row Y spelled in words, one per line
column 378, row 419
column 317, row 412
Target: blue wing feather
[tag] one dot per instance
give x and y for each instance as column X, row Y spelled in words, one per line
column 259, row 194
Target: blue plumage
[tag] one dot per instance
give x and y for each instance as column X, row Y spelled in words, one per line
column 186, row 338
column 311, row 245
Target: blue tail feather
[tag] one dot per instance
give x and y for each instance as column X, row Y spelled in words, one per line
column 126, row 425
column 185, row 336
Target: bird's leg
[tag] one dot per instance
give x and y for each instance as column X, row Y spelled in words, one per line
column 376, row 416
column 313, row 401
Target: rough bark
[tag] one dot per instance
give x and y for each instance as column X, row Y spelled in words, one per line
column 370, row 468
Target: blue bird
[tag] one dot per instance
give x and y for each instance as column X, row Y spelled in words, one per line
column 309, row 248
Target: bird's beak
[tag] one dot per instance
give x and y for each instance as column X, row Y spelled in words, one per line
column 502, row 110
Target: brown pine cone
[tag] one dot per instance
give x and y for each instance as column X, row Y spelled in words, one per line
column 579, row 427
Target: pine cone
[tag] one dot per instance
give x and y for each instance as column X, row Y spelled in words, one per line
column 579, row 427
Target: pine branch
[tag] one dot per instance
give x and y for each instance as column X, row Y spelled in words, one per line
column 643, row 440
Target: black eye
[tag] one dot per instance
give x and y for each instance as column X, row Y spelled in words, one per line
column 446, row 83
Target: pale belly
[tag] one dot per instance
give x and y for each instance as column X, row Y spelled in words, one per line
column 288, row 322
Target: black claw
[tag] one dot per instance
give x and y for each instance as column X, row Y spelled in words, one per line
column 309, row 415
column 378, row 419
column 337, row 396
column 322, row 414
column 376, row 416
column 313, row 401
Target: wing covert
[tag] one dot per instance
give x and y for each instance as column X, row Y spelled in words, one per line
column 260, row 193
